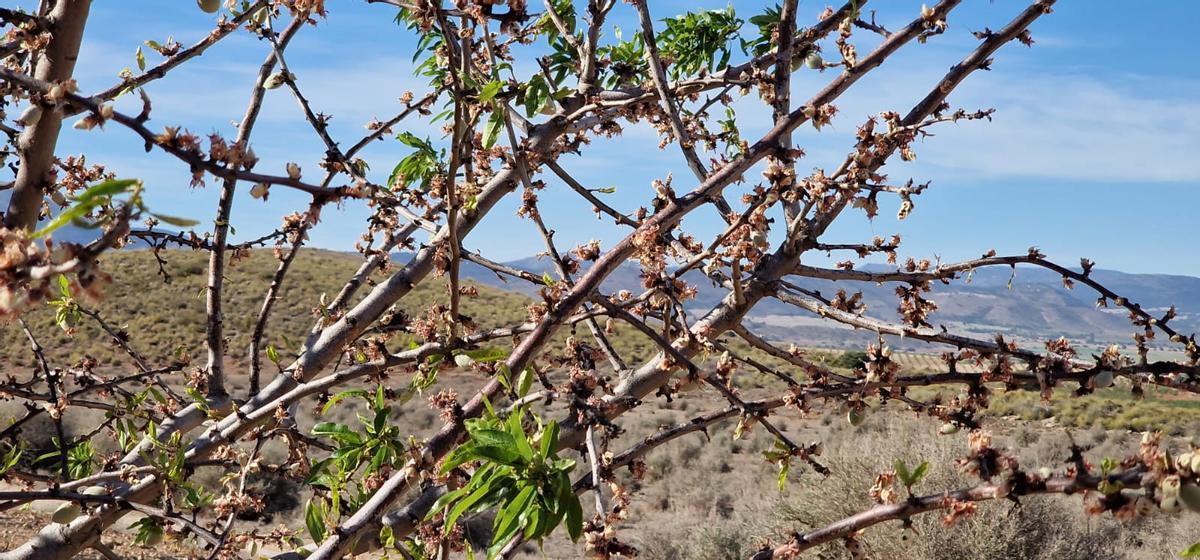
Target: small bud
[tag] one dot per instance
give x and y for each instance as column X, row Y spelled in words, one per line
column 948, row 428
column 56, row 93
column 463, row 360
column 209, row 6
column 66, row 513
column 1184, row 463
column 814, row 61
column 260, row 191
column 275, row 80
column 30, row 116
column 1169, row 505
column 106, row 111
column 1169, row 487
column 293, row 171
column 856, row 417
column 926, row 11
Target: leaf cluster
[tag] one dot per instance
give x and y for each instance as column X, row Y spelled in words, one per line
column 520, row 475
column 699, row 40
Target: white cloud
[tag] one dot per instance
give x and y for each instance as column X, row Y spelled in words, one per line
column 1069, row 126
column 1072, row 127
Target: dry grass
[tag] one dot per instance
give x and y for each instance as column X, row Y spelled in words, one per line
column 704, row 497
column 167, row 319
column 717, row 498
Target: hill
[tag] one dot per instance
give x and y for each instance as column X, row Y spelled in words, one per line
column 166, row 319
column 1035, row 307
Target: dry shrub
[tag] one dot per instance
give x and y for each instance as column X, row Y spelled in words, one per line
column 1034, row 527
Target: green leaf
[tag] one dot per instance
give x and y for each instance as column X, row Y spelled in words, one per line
column 420, row 166
column 503, row 455
column 524, row 382
column 920, row 472
column 487, row 403
column 491, row 131
column 338, row 432
column 175, row 220
column 198, row 398
column 489, row 91
column 67, row 216
column 518, row 434
column 537, row 94
column 467, row 503
column 496, row 438
column 902, row 472
column 536, row 523
column 1191, row 551
column 464, row 453
column 910, row 478
column 149, row 532
column 574, row 517
column 86, row 201
column 314, row 521
column 492, row 354
column 141, row 59
column 446, row 499
column 508, row 519
column 12, row 457
column 334, row 399
column 273, row 355
column 549, row 439
column 699, row 40
column 106, row 189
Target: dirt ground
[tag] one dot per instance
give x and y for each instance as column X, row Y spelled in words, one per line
column 710, row 496
column 16, row 526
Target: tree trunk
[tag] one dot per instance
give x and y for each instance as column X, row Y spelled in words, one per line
column 36, row 145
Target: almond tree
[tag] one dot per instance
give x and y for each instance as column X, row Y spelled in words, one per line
column 506, row 126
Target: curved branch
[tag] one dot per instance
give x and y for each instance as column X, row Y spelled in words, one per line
column 1058, row 484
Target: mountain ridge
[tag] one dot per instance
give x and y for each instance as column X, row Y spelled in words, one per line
column 1036, row 306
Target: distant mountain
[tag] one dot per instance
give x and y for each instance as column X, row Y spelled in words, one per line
column 1037, row 306
column 72, row 233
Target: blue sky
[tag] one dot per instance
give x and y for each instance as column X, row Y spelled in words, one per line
column 1092, row 151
